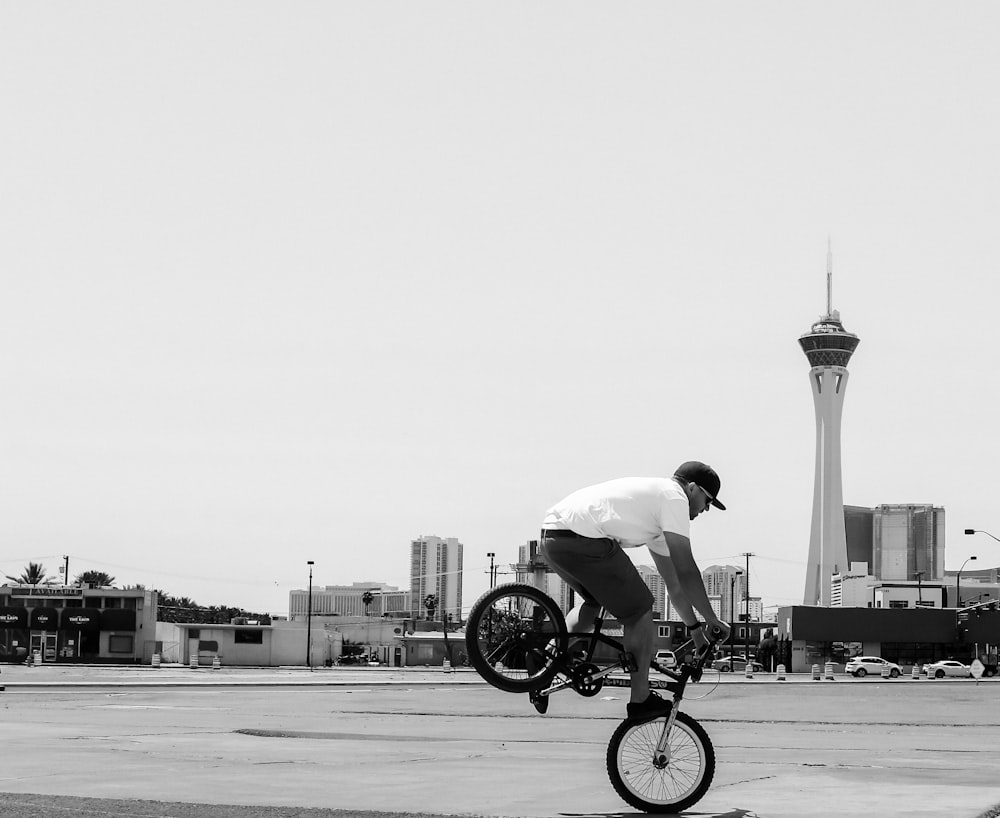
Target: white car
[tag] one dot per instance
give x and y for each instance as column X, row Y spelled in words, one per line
column 947, row 667
column 666, row 658
column 863, row 665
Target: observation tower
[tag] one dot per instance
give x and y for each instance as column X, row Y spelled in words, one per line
column 829, row 347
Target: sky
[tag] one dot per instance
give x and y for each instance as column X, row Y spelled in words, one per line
column 305, row 281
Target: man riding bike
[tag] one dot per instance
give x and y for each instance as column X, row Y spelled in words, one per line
column 582, row 540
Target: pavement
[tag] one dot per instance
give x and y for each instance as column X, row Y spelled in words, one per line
column 274, row 743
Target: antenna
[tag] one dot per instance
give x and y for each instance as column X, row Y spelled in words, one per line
column 829, row 277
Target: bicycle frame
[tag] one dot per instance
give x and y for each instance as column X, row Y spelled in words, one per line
column 678, row 678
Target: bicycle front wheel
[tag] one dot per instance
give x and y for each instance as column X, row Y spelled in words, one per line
column 513, row 636
column 669, row 786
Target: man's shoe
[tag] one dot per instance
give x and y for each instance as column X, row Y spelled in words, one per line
column 653, row 708
column 540, row 703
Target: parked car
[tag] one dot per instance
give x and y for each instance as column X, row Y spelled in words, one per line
column 736, row 664
column 666, row 658
column 947, row 667
column 863, row 665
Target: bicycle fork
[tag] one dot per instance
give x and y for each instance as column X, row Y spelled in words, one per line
column 661, row 753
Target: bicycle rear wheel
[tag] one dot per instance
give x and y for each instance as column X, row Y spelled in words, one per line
column 669, row 787
column 514, row 635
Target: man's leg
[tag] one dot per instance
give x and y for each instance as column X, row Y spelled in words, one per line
column 639, row 642
column 581, row 618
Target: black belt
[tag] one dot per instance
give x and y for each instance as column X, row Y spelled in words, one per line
column 566, row 534
column 560, row 534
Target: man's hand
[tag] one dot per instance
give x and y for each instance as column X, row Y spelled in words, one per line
column 723, row 630
column 706, row 633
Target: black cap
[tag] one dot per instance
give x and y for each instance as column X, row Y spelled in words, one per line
column 702, row 476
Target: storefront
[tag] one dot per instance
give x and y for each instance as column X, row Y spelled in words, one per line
column 73, row 624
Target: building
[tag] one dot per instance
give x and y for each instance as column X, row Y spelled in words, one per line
column 906, row 636
column 859, row 589
column 714, row 600
column 68, row 623
column 908, row 542
column 349, row 600
column 657, row 587
column 726, row 582
column 975, row 587
column 892, row 547
column 532, row 569
column 436, row 569
column 828, row 347
column 323, row 641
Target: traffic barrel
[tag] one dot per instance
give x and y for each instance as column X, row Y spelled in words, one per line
column 781, row 673
column 829, row 671
column 815, row 673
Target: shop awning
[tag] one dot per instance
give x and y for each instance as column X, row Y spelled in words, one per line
column 44, row 619
column 81, row 619
column 11, row 618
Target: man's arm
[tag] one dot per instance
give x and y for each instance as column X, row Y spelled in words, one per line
column 683, row 579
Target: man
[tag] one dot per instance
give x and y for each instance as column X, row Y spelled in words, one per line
column 582, row 540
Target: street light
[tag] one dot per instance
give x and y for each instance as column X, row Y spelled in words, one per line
column 980, row 531
column 493, row 576
column 958, row 583
column 309, row 617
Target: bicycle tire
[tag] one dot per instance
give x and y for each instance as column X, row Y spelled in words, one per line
column 513, row 637
column 681, row 783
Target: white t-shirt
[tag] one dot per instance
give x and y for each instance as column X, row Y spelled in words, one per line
column 633, row 511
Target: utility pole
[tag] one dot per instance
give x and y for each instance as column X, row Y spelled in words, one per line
column 732, row 612
column 493, row 575
column 66, row 570
column 746, row 590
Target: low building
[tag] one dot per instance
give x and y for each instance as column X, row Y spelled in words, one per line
column 331, row 640
column 69, row 623
column 906, row 636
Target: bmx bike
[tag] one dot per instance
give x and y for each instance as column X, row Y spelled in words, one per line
column 516, row 639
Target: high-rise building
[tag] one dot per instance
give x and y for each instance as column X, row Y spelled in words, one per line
column 714, row 601
column 657, row 587
column 829, row 347
column 726, row 582
column 436, row 568
column 532, row 569
column 908, row 541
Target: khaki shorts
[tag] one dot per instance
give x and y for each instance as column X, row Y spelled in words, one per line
column 600, row 571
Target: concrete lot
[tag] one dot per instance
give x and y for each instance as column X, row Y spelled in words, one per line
column 426, row 742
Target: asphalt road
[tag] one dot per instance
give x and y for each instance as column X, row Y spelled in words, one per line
column 287, row 743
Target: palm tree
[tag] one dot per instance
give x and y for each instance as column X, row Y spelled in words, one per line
column 430, row 603
column 367, row 598
column 34, row 574
column 99, row 579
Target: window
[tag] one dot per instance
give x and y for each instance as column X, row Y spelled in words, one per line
column 208, row 646
column 898, row 603
column 663, row 631
column 121, row 644
column 242, row 637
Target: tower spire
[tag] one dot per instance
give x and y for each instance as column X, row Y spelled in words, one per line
column 829, row 276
